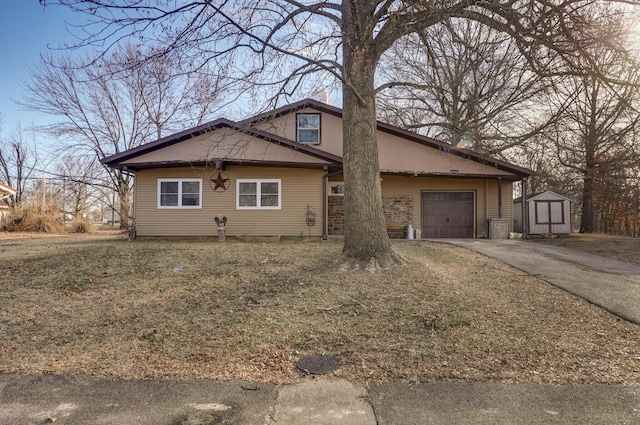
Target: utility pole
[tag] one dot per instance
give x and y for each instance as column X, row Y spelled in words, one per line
column 44, row 193
column 64, row 196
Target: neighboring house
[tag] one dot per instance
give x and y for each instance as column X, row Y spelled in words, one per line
column 4, row 210
column 548, row 213
column 5, row 192
column 280, row 174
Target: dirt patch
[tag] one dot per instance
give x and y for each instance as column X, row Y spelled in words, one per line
column 196, row 309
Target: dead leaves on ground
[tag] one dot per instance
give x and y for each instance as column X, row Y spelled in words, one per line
column 249, row 311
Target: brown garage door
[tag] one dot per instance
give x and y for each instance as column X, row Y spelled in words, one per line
column 448, row 214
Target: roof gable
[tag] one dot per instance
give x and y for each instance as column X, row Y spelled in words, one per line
column 216, row 141
column 547, row 195
column 452, row 160
column 394, row 131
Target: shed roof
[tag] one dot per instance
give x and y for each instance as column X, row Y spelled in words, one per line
column 540, row 194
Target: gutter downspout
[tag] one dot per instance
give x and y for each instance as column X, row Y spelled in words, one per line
column 525, row 210
column 499, row 197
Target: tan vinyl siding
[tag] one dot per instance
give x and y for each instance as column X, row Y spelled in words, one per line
column 507, row 201
column 225, row 143
column 330, row 129
column 486, row 191
column 299, row 188
column 396, row 154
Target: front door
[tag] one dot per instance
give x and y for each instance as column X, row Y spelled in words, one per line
column 448, row 214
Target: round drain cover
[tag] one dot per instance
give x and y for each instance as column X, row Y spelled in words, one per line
column 318, row 364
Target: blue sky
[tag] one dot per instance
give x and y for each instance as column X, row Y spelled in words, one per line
column 26, row 29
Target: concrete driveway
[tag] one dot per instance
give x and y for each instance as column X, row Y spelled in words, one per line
column 610, row 284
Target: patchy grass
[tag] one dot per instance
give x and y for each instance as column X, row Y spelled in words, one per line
column 185, row 309
column 622, row 248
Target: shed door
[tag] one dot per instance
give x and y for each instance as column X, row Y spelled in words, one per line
column 448, row 214
column 549, row 213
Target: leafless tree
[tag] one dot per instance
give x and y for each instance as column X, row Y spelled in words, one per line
column 539, row 154
column 460, row 79
column 288, row 42
column 18, row 159
column 78, row 182
column 117, row 103
column 595, row 137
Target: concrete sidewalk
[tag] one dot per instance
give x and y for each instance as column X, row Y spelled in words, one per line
column 610, row 284
column 29, row 400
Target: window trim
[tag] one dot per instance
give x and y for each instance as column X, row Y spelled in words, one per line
column 298, row 115
column 258, row 193
column 180, row 181
column 330, row 185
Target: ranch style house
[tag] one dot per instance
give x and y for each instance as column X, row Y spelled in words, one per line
column 280, row 174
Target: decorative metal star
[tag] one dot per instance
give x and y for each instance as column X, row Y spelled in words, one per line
column 219, row 180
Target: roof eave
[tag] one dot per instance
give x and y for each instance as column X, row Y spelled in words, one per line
column 117, row 159
column 246, row 126
column 139, row 166
column 396, row 131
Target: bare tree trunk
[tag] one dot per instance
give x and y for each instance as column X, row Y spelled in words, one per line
column 587, row 214
column 124, row 192
column 587, row 222
column 366, row 242
column 124, row 212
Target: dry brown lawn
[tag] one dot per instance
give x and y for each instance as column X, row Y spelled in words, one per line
column 620, row 248
column 181, row 309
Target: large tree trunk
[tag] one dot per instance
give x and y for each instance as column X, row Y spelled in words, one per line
column 124, row 197
column 366, row 242
column 587, row 216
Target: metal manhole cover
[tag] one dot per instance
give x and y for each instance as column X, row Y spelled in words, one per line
column 318, row 364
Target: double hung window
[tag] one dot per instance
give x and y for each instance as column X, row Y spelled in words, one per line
column 180, row 193
column 308, row 128
column 258, row 194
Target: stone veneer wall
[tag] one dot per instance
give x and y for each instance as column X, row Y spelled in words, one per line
column 397, row 210
column 335, row 215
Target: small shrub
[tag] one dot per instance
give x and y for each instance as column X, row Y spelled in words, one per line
column 32, row 220
column 83, row 226
column 42, row 223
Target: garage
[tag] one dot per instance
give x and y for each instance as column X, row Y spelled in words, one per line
column 448, row 214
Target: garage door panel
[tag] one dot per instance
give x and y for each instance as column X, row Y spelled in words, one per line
column 448, row 214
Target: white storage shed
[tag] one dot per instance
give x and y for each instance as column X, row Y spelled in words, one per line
column 548, row 213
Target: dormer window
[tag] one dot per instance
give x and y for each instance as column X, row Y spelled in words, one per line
column 308, row 128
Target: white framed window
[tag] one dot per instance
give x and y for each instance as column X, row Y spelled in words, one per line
column 336, row 189
column 265, row 194
column 308, row 128
column 179, row 193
